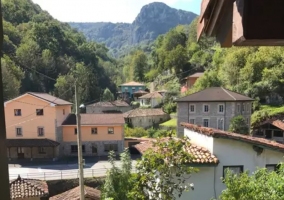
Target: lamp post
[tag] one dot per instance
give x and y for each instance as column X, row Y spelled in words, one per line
column 79, row 144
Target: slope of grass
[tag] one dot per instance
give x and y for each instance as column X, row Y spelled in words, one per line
column 266, row 111
column 170, row 123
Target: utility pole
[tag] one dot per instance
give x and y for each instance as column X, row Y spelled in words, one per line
column 4, row 172
column 79, row 144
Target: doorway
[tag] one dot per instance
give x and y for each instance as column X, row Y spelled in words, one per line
column 21, row 153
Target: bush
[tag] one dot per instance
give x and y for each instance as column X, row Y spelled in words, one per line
column 238, row 125
column 170, row 107
column 135, row 132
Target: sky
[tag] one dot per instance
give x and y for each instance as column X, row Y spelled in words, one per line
column 106, row 10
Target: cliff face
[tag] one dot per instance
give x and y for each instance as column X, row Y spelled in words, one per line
column 154, row 19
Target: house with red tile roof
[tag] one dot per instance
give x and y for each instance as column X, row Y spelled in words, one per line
column 190, row 81
column 234, row 151
column 117, row 106
column 152, row 99
column 128, row 90
column 272, row 129
column 28, row 189
column 74, row 194
column 100, row 133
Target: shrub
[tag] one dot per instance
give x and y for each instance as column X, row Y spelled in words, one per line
column 170, row 107
column 135, row 132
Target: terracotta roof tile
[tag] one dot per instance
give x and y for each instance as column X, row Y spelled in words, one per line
column 235, row 136
column 31, row 143
column 275, row 122
column 200, row 154
column 140, row 92
column 116, row 103
column 214, row 94
column 132, row 83
column 74, row 194
column 50, row 98
column 139, row 112
column 152, row 95
column 95, row 119
column 27, row 188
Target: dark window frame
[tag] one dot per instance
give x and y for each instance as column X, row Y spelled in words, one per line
column 233, row 166
column 276, row 166
column 75, row 131
column 94, row 130
column 39, row 112
column 41, row 150
column 74, row 148
column 17, row 113
column 110, row 132
column 38, row 132
column 19, row 135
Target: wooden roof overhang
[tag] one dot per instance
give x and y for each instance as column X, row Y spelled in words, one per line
column 242, row 22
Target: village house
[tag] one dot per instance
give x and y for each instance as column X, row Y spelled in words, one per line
column 33, row 124
column 117, row 106
column 145, row 118
column 152, row 99
column 28, row 189
column 190, row 81
column 74, row 194
column 214, row 151
column 213, row 107
column 271, row 129
column 100, row 134
column 127, row 90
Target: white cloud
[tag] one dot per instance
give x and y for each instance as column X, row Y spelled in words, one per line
column 97, row 10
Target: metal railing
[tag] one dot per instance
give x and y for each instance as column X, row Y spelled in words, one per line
column 62, row 174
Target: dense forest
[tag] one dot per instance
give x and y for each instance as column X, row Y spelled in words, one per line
column 42, row 54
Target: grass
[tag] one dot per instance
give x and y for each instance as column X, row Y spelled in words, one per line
column 170, row 123
column 266, row 111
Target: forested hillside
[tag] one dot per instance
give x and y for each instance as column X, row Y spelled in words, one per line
column 36, row 45
column 154, row 19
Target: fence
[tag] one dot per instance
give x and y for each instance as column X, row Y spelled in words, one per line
column 62, row 174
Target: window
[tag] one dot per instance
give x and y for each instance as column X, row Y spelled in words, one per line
column 95, row 130
column 192, row 121
column 272, row 167
column 247, row 121
column 206, row 122
column 238, row 108
column 75, row 131
column 248, row 107
column 41, row 150
column 221, row 108
column 63, row 111
column 19, row 131
column 206, row 108
column 110, row 147
column 235, row 169
column 39, row 112
column 74, row 148
column 192, row 108
column 243, row 107
column 277, row 133
column 110, row 130
column 40, row 131
column 220, row 124
column 17, row 112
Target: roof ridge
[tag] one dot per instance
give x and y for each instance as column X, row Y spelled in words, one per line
column 225, row 90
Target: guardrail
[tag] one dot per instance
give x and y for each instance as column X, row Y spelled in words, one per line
column 62, row 174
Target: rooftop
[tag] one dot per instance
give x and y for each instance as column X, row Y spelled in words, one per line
column 117, row 103
column 28, row 188
column 200, row 154
column 277, row 122
column 139, row 112
column 132, row 83
column 235, row 136
column 95, row 119
column 74, row 194
column 152, row 95
column 214, row 94
column 140, row 92
column 196, row 75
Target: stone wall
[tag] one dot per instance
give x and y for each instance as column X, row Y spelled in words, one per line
column 88, row 147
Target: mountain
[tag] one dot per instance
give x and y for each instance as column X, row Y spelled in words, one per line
column 154, row 19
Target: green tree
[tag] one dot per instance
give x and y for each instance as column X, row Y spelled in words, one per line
column 107, row 95
column 140, row 65
column 262, row 184
column 166, row 161
column 239, row 125
column 118, row 181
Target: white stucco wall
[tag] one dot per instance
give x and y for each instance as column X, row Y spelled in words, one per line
column 230, row 153
column 199, row 139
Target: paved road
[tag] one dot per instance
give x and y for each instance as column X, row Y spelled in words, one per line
column 61, row 171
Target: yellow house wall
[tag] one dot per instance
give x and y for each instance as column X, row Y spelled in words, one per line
column 29, row 121
column 102, row 135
